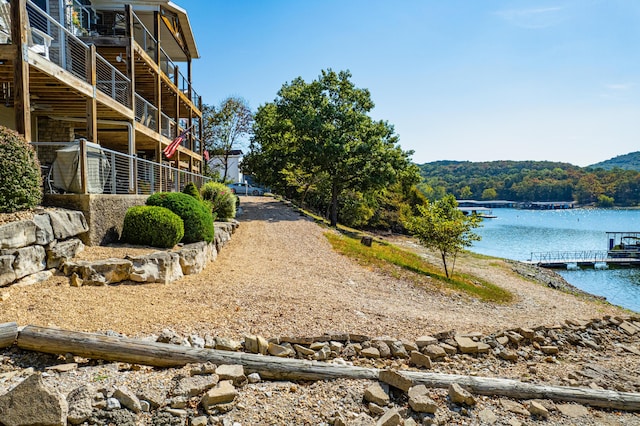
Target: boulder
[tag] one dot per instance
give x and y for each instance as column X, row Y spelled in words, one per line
column 60, row 251
column 459, row 395
column 17, row 234
column 223, row 393
column 67, row 223
column 7, row 274
column 466, row 345
column 127, row 399
column 27, row 260
column 80, row 401
column 434, row 352
column 423, row 404
column 193, row 258
column 33, row 403
column 396, row 379
column 100, row 272
column 159, row 267
column 420, row 360
column 378, row 393
column 44, row 231
column 233, row 372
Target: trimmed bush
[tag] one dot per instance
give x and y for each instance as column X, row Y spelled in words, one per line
column 198, row 220
column 192, row 189
column 20, row 179
column 222, row 199
column 152, row 225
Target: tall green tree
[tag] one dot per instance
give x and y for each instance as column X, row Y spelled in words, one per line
column 441, row 226
column 227, row 127
column 323, row 128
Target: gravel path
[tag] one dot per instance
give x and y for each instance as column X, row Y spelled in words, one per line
column 279, row 276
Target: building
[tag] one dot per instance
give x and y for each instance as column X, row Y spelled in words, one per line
column 230, row 162
column 113, row 76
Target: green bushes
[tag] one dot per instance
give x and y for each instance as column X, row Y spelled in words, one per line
column 152, row 225
column 222, row 200
column 20, row 180
column 192, row 189
column 197, row 217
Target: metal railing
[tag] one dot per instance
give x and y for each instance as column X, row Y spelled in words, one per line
column 146, row 113
column 167, row 126
column 109, row 172
column 112, row 82
column 77, row 18
column 569, row 256
column 144, row 37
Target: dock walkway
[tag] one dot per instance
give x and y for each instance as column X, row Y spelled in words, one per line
column 562, row 259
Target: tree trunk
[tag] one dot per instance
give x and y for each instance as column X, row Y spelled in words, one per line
column 444, row 263
column 8, row 334
column 334, row 205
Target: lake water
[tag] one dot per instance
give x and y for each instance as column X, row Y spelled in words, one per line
column 515, row 234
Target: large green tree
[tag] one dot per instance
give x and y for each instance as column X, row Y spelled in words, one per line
column 441, row 226
column 323, row 129
column 227, row 127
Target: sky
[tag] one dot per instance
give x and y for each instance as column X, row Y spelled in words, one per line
column 472, row 80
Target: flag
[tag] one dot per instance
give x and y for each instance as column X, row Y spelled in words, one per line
column 206, row 155
column 173, row 146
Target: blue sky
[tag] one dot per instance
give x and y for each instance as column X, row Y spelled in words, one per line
column 468, row 80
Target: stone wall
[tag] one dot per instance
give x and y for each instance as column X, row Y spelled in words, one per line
column 29, row 249
column 104, row 213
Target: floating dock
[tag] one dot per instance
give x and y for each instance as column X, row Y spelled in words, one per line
column 592, row 258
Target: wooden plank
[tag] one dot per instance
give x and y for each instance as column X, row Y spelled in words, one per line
column 8, row 334
column 92, row 104
column 21, row 101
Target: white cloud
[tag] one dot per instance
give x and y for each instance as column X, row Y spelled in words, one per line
column 532, row 18
column 619, row 86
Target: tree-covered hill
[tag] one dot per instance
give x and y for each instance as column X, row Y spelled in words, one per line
column 530, row 181
column 629, row 161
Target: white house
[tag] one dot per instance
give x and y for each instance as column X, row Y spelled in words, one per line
column 232, row 165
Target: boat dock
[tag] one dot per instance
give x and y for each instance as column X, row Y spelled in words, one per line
column 593, row 258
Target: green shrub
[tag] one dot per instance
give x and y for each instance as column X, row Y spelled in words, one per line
column 152, row 225
column 192, row 189
column 198, row 220
column 223, row 200
column 20, row 180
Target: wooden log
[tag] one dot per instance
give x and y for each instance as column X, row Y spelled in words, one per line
column 109, row 348
column 8, row 334
column 493, row 386
column 134, row 351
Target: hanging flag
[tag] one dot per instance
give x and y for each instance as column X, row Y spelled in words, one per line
column 173, row 146
column 206, row 155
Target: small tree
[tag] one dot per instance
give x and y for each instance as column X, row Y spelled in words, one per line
column 227, row 128
column 442, row 227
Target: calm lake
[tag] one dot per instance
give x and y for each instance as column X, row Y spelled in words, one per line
column 515, row 234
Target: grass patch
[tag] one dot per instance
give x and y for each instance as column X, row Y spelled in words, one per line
column 392, row 259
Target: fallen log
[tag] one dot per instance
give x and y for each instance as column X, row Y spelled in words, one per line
column 493, row 386
column 110, row 348
column 8, row 334
column 134, row 351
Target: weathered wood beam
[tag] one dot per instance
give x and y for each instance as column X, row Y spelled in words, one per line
column 120, row 349
column 21, row 101
column 8, row 334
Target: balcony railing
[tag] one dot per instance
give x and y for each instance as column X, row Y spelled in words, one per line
column 168, row 126
column 112, row 82
column 146, row 113
column 109, row 172
column 144, row 37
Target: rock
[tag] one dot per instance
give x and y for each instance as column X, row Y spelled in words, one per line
column 17, row 234
column 514, row 337
column 195, row 385
column 75, row 280
column 159, row 267
column 425, row 341
column 62, row 368
column 420, row 360
column 466, row 345
column 434, row 352
column 417, row 390
column 487, row 416
column 7, row 274
column 537, row 409
column 223, row 393
column 61, row 251
column 113, row 404
column 390, row 418
column 398, row 350
column 254, row 378
column 370, row 353
column 280, row 350
column 549, row 350
column 628, row 328
column 573, row 410
column 100, row 272
column 224, row 344
column 459, row 395
column 196, row 341
column 483, row 348
column 80, row 402
column 32, row 279
column 251, row 343
column 193, row 258
column 377, row 393
column 203, row 369
column 169, row 336
column 35, row 401
column 395, row 379
column 375, row 409
column 508, row 354
column 382, row 348
column 514, row 407
column 423, row 404
column 67, row 223
column 503, row 340
column 363, row 419
column 4, row 297
column 127, row 399
column 27, row 260
column 199, row 421
column 303, row 351
column 44, row 231
column 233, row 372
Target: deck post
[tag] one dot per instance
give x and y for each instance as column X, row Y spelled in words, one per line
column 83, row 166
column 92, row 105
column 21, row 100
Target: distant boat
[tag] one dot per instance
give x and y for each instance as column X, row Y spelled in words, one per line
column 624, row 245
column 482, row 212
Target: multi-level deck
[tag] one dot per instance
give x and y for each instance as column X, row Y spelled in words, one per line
column 115, row 74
